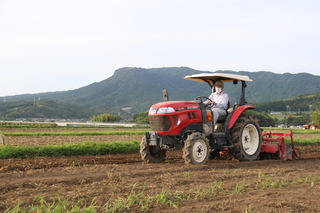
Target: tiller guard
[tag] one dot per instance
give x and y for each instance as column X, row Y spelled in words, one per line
column 276, row 148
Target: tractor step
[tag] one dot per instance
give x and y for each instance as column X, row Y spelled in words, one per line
column 222, row 140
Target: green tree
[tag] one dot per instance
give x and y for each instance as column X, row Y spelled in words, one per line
column 264, row 119
column 141, row 117
column 315, row 117
column 104, row 118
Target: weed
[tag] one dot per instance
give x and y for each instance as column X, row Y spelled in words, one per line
column 181, row 196
column 162, row 197
column 299, row 180
column 215, row 189
column 263, row 182
column 145, row 186
column 279, row 183
column 186, row 174
column 262, row 174
column 312, row 182
column 239, row 189
column 126, row 203
column 199, row 193
column 306, row 179
column 58, row 205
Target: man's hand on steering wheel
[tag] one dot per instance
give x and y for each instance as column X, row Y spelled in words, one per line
column 208, row 102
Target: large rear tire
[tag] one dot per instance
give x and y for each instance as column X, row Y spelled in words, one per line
column 246, row 139
column 196, row 149
column 151, row 154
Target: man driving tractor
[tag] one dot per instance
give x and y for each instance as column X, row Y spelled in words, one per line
column 220, row 100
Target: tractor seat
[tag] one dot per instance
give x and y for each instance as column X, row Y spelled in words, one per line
column 222, row 118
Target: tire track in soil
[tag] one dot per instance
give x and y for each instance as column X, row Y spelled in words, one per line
column 172, row 156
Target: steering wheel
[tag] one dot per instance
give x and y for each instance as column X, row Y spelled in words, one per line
column 200, row 98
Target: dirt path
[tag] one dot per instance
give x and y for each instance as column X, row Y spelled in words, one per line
column 220, row 185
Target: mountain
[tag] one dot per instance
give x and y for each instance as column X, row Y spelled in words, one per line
column 139, row 88
column 41, row 109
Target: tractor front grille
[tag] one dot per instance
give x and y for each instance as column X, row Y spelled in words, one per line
column 159, row 123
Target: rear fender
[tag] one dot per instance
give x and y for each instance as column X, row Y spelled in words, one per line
column 237, row 113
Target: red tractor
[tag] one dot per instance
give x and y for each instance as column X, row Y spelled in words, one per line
column 188, row 125
column 311, row 126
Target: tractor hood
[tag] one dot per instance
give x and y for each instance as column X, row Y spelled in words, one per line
column 172, row 106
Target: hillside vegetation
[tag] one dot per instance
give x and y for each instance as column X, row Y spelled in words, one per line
column 305, row 102
column 49, row 109
column 41, row 109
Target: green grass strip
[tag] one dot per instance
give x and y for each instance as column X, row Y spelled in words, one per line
column 86, row 148
column 305, row 142
column 73, row 133
column 294, row 131
column 305, row 131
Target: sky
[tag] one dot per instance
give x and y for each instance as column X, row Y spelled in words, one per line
column 60, row 45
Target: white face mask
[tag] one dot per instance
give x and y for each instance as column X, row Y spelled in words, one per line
column 218, row 89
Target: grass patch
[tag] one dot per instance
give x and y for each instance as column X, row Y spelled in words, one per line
column 305, row 131
column 305, row 142
column 58, row 205
column 81, row 149
column 294, row 131
column 27, row 125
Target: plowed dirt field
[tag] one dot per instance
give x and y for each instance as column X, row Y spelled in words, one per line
column 124, row 183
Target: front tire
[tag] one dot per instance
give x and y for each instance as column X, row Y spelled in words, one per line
column 151, row 154
column 196, row 149
column 246, row 139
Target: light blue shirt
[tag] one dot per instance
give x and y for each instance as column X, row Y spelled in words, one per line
column 221, row 99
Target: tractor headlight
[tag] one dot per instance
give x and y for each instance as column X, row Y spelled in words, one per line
column 165, row 110
column 162, row 110
column 153, row 111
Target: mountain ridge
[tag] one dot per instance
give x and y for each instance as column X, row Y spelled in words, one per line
column 139, row 88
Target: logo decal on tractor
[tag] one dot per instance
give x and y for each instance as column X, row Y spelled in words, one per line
column 186, row 108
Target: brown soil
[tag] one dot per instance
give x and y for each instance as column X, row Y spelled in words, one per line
column 59, row 140
column 258, row 186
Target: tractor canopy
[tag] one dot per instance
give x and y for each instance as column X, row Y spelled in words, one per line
column 211, row 78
